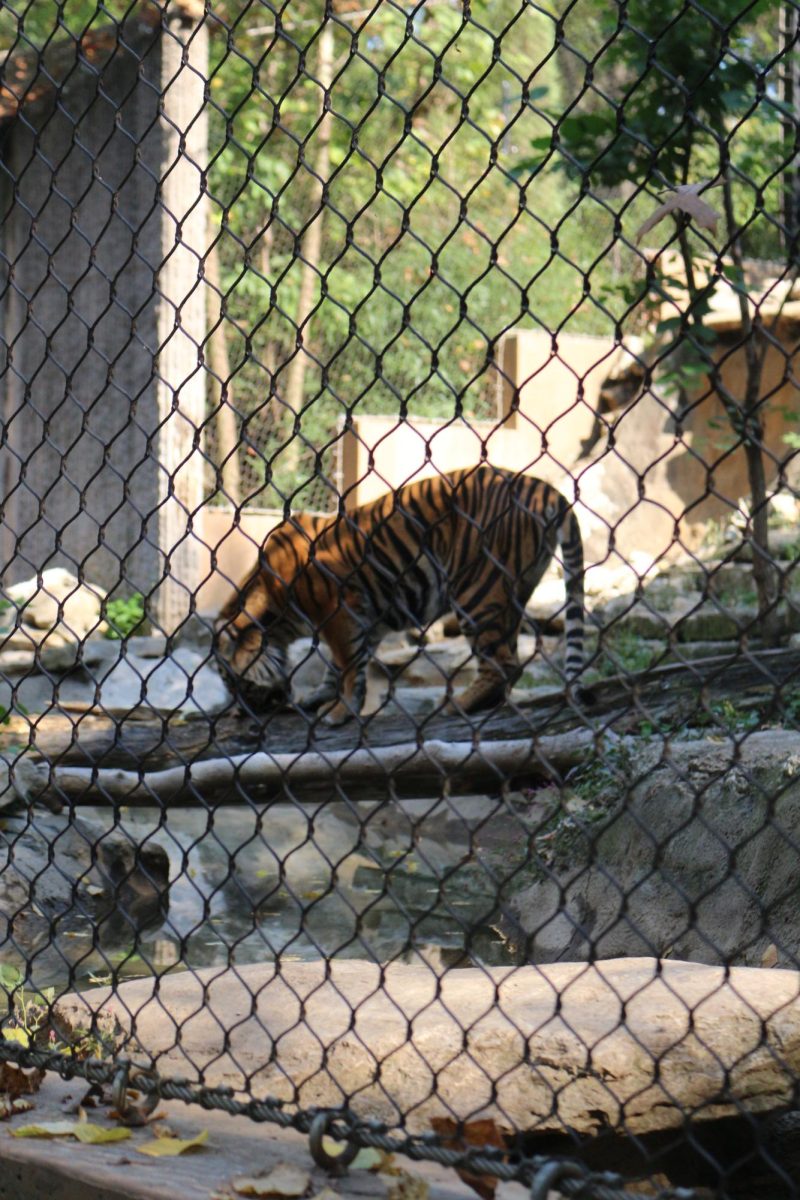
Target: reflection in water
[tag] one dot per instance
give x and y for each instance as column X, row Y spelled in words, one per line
column 383, row 881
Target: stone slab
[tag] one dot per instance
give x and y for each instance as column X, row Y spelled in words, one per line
column 38, row 1170
column 629, row 1044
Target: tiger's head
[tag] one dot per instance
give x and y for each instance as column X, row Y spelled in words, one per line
column 261, row 617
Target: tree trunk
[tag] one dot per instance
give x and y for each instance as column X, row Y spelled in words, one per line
column 311, row 252
column 751, row 433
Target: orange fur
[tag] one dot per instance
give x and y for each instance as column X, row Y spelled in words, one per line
column 476, row 541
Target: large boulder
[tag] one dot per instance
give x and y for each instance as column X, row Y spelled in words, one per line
column 632, row 1044
column 698, row 858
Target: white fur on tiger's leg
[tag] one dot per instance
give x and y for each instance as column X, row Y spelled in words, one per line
column 353, row 693
column 326, row 693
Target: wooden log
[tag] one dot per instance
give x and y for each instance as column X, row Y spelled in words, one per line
column 667, row 697
column 434, row 764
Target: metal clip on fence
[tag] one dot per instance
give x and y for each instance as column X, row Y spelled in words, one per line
column 131, row 1114
column 334, row 1163
column 548, row 1177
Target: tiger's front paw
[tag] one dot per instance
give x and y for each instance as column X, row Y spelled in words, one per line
column 314, row 701
column 339, row 714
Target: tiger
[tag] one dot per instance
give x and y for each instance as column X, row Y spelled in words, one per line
column 474, row 542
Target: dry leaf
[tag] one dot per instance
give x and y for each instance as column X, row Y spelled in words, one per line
column 18, row 1081
column 162, row 1130
column 283, row 1180
column 10, row 1108
column 15, row 1033
column 170, row 1147
column 472, row 1134
column 770, row 956
column 405, row 1186
column 83, row 1131
column 92, row 1098
column 367, row 1159
column 684, row 199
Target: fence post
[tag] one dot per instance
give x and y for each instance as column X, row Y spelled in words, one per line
column 182, row 318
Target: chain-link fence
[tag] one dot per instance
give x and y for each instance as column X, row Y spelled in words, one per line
column 399, row 665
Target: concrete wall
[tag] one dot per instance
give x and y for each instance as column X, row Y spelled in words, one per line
column 81, row 250
column 228, row 549
column 103, row 233
column 655, row 491
column 546, row 409
column 649, row 493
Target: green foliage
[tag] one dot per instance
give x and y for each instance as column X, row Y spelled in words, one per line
column 623, row 652
column 6, row 713
column 124, row 617
column 606, row 777
column 30, row 1021
column 428, row 252
column 27, row 1009
column 726, row 716
column 440, row 232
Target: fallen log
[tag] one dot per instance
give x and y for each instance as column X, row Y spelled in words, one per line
column 434, row 764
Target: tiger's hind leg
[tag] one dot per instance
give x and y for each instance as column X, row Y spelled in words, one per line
column 493, row 636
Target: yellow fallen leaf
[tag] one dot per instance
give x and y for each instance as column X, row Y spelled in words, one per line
column 98, row 1135
column 370, row 1159
column 14, row 1033
column 283, row 1180
column 770, row 956
column 49, row 1129
column 170, row 1147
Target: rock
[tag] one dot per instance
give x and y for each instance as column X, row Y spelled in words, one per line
column 713, row 878
column 28, row 648
column 57, row 598
column 713, row 622
column 154, row 646
column 55, row 870
column 690, row 651
column 636, row 617
column 184, row 683
column 430, row 665
column 567, row 1045
column 307, row 664
column 19, row 780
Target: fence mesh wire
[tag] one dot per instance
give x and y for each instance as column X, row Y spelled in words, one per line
column 399, row 664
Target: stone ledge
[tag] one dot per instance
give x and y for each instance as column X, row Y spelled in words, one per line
column 631, row 1044
column 40, row 1170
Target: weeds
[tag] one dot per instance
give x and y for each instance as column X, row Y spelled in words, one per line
column 31, row 1021
column 124, row 617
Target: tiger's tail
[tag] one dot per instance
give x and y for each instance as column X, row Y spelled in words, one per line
column 568, row 535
